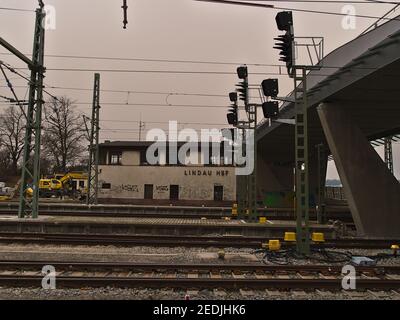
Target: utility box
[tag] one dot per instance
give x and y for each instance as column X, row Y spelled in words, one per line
column 363, row 261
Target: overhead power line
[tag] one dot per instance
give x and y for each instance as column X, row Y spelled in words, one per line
column 167, row 71
column 174, row 61
column 26, row 77
column 272, row 7
column 153, row 105
column 328, row 1
column 16, row 9
column 150, row 60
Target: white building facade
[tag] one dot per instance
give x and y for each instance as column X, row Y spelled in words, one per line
column 125, row 176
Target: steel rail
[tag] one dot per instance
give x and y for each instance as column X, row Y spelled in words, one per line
column 228, row 283
column 242, row 267
column 184, row 241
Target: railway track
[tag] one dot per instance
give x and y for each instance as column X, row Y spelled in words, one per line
column 231, row 276
column 273, row 215
column 184, row 241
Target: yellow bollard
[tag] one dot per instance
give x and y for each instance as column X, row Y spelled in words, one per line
column 317, row 237
column 263, row 220
column 290, row 236
column 394, row 248
column 234, row 210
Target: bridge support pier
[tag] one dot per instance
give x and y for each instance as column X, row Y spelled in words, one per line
column 274, row 182
column 373, row 193
column 278, row 178
column 274, row 177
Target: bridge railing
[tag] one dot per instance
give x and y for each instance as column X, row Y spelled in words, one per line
column 336, row 193
column 391, row 13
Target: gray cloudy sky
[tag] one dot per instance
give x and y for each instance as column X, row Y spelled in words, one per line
column 164, row 29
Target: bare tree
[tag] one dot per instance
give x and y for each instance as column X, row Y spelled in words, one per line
column 63, row 137
column 4, row 164
column 12, row 130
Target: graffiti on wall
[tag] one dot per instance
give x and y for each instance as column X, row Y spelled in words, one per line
column 196, row 193
column 162, row 188
column 130, row 187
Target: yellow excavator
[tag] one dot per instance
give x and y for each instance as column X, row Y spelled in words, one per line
column 73, row 184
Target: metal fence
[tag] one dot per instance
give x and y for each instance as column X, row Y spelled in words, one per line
column 336, row 193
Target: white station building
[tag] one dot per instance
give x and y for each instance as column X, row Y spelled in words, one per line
column 200, row 178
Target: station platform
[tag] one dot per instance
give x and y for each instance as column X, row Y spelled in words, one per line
column 154, row 226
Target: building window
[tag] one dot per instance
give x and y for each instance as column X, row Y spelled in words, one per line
column 81, row 184
column 106, row 186
column 115, row 158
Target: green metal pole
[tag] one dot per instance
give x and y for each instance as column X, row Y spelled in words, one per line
column 242, row 184
column 301, row 162
column 253, row 176
column 93, row 166
column 322, row 167
column 31, row 164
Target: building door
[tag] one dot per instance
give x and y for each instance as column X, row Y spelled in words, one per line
column 218, row 193
column 174, row 192
column 148, row 191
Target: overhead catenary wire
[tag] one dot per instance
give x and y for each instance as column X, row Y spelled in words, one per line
column 254, row 64
column 183, row 72
column 251, row 3
column 10, row 86
column 328, row 1
column 16, row 9
column 26, row 77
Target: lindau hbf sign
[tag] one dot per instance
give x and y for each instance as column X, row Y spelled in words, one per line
column 210, row 173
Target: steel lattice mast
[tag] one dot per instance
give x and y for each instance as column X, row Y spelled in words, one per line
column 28, row 206
column 93, row 166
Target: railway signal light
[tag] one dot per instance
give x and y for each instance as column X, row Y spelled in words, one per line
column 270, row 109
column 242, row 72
column 233, row 96
column 243, row 86
column 285, row 43
column 243, row 91
column 284, row 20
column 232, row 115
column 270, row 87
column 231, row 119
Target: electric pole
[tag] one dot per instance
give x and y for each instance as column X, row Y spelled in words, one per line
column 93, row 166
column 246, row 185
column 287, row 44
column 29, row 206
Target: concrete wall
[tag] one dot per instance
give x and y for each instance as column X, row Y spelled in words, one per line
column 195, row 183
column 370, row 188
